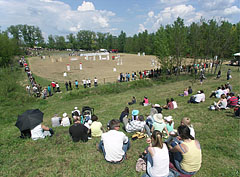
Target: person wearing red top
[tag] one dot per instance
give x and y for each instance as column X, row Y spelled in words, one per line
column 53, row 84
column 169, row 104
column 232, row 102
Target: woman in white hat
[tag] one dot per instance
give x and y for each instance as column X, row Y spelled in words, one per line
column 169, row 124
column 65, row 120
column 159, row 123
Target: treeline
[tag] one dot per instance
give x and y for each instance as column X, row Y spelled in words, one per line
column 204, row 39
column 8, row 49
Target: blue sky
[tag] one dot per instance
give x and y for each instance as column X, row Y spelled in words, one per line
column 61, row 17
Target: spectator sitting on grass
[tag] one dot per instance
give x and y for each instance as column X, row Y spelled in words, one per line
column 217, row 93
column 187, row 156
column 125, row 113
column 41, row 131
column 185, row 93
column 169, row 104
column 136, row 125
column 157, row 107
column 65, row 120
column 133, row 101
column 233, row 101
column 190, row 90
column 159, row 123
column 114, row 144
column 135, row 114
column 96, row 127
column 199, row 97
column 222, row 103
column 175, row 106
column 145, row 101
column 157, row 157
column 78, row 131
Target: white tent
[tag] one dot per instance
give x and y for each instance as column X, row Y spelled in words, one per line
column 237, row 54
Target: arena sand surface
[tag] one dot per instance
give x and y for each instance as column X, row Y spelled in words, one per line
column 53, row 67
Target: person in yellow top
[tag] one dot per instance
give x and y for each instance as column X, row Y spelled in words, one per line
column 187, row 156
column 96, row 127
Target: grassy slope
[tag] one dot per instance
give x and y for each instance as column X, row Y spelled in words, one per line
column 217, row 132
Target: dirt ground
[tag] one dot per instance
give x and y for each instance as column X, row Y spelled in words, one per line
column 54, row 66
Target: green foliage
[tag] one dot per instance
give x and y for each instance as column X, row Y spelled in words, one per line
column 26, row 35
column 8, row 49
column 13, row 96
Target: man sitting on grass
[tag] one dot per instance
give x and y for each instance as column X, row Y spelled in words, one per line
column 114, row 144
column 78, row 131
column 41, row 131
column 233, row 101
column 136, row 125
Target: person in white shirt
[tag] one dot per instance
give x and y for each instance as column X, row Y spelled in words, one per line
column 199, row 97
column 175, row 106
column 84, row 83
column 114, row 144
column 76, row 110
column 41, row 131
column 157, row 157
column 89, row 83
column 28, row 88
column 95, row 82
column 56, row 121
column 65, row 120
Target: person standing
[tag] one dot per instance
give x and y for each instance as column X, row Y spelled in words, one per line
column 229, row 74
column 53, row 85
column 76, row 84
column 66, row 84
column 58, row 87
column 114, row 144
column 95, row 82
column 28, row 89
column 84, row 83
column 70, row 85
column 49, row 90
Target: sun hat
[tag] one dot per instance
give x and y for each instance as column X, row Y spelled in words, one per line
column 76, row 108
column 168, row 118
column 153, row 111
column 158, row 118
column 65, row 114
column 135, row 112
column 156, row 105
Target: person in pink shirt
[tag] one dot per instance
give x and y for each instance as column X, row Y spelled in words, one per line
column 145, row 101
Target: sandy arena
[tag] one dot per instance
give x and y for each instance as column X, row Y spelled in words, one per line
column 54, row 66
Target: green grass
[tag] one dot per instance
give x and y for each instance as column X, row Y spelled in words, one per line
column 217, row 131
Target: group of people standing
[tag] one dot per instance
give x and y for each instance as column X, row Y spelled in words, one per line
column 36, row 88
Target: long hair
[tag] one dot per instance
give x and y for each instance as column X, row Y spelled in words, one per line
column 184, row 132
column 157, row 137
column 126, row 110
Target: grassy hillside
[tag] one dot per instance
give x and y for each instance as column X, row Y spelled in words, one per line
column 217, row 131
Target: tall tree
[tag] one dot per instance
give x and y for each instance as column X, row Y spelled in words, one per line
column 60, row 43
column 121, row 42
column 51, row 42
column 179, row 34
